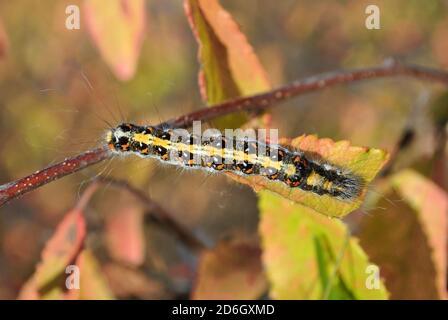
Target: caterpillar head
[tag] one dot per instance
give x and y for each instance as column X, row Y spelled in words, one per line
column 118, row 139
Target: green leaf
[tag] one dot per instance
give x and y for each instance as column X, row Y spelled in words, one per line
column 361, row 161
column 309, row 256
column 93, row 285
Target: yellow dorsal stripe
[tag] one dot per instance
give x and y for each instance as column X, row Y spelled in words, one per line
column 236, row 155
column 143, row 138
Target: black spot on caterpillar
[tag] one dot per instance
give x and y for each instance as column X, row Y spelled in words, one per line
column 293, row 167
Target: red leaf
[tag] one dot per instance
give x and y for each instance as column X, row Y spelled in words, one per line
column 60, row 251
column 117, row 28
column 3, row 41
column 125, row 238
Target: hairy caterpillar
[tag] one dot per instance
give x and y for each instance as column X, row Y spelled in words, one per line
column 292, row 167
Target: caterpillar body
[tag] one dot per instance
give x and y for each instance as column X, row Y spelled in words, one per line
column 293, row 167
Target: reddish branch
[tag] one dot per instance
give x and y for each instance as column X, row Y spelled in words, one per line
column 268, row 99
column 258, row 102
column 16, row 188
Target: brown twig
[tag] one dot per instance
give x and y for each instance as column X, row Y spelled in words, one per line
column 157, row 213
column 408, row 134
column 257, row 102
column 405, row 140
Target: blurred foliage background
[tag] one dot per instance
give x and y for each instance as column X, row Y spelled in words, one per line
column 57, row 96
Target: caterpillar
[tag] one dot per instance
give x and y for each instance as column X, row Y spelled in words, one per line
column 293, row 167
